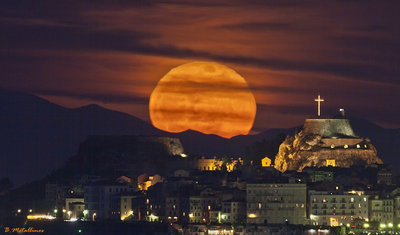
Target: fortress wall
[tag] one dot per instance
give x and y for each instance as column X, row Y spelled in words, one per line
column 328, row 127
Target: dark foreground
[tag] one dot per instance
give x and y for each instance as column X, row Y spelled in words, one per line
column 88, row 228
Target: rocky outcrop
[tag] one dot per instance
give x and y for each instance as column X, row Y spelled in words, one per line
column 173, row 145
column 314, row 145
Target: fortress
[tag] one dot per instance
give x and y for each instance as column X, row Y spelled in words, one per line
column 325, row 142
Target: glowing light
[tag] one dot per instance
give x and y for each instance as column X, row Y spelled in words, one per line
column 366, row 225
column 252, row 215
column 30, row 210
column 40, row 217
column 382, row 225
column 85, row 212
column 183, row 155
column 191, row 215
column 19, row 210
column 69, row 212
column 55, row 210
column 390, row 225
column 203, row 96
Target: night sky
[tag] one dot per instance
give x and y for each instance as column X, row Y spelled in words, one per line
column 114, row 52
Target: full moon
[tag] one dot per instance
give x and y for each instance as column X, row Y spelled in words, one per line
column 203, row 96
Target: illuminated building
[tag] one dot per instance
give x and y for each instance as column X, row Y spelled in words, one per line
column 214, row 164
column 276, row 203
column 330, row 162
column 337, row 208
column 266, row 162
column 381, row 210
column 144, row 181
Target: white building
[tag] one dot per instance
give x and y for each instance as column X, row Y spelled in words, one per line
column 382, row 210
column 335, row 209
column 275, row 203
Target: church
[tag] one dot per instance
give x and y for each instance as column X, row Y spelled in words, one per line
column 325, row 142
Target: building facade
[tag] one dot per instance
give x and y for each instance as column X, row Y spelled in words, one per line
column 278, row 203
column 338, row 208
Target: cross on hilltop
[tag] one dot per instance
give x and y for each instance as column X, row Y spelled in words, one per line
column 319, row 100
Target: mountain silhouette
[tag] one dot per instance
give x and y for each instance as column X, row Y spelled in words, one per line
column 37, row 136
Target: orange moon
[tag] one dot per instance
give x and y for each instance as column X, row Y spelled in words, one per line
column 203, row 96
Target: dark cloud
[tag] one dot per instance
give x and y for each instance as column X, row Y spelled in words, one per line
column 260, row 26
column 85, row 38
column 93, row 96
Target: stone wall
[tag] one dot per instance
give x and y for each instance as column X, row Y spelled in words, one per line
column 329, row 127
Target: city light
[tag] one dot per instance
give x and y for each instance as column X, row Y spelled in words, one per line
column 382, row 225
column 390, row 225
column 40, row 217
column 366, row 225
column 252, row 215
